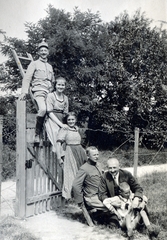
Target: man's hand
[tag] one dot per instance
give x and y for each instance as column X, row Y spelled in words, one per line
column 60, row 160
column 135, row 202
column 113, row 210
column 118, row 215
column 22, row 96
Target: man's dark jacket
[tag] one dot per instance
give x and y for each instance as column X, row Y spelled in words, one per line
column 106, row 187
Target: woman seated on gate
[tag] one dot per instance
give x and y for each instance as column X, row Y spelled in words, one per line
column 57, row 107
column 75, row 154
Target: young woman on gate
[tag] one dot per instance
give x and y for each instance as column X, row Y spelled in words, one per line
column 74, row 156
column 57, row 107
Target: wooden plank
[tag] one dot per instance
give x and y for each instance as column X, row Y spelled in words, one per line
column 41, row 197
column 44, row 205
column 30, row 56
column 136, row 146
column 30, row 178
column 31, row 120
column 87, row 216
column 48, row 185
column 53, row 172
column 18, row 62
column 41, row 191
column 20, row 159
column 46, row 170
column 24, row 58
column 36, row 211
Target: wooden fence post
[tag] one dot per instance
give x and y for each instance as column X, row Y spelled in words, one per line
column 136, row 146
column 20, row 159
column 1, row 149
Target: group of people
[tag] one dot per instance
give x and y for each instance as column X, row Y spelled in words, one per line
column 53, row 113
column 114, row 191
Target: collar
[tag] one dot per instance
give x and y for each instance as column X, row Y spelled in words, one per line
column 131, row 196
column 43, row 60
column 91, row 162
column 116, row 178
column 74, row 129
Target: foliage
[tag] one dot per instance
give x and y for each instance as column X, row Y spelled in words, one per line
column 9, row 163
column 109, row 67
column 8, row 110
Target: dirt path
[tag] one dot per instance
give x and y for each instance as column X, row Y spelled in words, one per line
column 52, row 226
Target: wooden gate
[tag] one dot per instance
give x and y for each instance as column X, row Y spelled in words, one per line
column 38, row 175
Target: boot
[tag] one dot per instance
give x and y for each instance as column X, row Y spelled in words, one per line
column 153, row 231
column 130, row 234
column 38, row 128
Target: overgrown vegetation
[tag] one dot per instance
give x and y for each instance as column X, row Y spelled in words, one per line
column 115, row 71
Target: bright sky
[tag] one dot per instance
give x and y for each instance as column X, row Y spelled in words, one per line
column 14, row 13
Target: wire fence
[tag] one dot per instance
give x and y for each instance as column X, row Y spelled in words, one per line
column 9, row 148
column 124, row 151
column 8, row 163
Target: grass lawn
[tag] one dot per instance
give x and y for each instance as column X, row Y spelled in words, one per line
column 154, row 186
column 10, row 229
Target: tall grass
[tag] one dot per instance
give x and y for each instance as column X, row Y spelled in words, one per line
column 126, row 157
column 154, row 186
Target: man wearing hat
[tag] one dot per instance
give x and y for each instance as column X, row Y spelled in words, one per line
column 39, row 79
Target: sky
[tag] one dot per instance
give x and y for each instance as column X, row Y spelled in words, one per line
column 15, row 13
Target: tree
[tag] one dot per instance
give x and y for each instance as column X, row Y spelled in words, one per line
column 109, row 67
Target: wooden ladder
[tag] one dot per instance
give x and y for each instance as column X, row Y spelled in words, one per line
column 18, row 61
column 23, row 71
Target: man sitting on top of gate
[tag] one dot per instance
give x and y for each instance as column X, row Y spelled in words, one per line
column 40, row 77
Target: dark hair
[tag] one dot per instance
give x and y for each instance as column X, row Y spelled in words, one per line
column 57, row 79
column 70, row 114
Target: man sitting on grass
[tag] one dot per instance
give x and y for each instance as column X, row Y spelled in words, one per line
column 128, row 216
column 85, row 187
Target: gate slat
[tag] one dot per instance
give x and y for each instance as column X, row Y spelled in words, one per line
column 30, row 176
column 43, row 180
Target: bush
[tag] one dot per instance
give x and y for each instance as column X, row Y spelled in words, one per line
column 9, row 163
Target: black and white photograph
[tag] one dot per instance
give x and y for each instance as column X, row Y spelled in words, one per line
column 83, row 119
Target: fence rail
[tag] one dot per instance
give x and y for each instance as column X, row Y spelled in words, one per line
column 38, row 176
